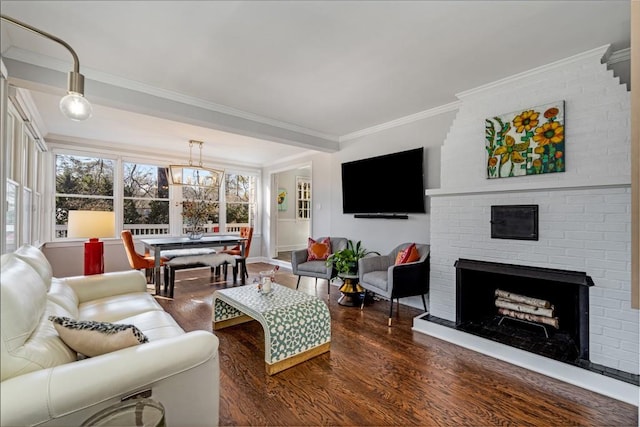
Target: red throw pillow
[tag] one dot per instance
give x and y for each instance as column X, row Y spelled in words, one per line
column 409, row 254
column 318, row 251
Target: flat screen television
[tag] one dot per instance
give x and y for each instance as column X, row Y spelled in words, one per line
column 388, row 184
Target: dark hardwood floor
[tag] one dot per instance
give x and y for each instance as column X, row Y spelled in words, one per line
column 379, row 376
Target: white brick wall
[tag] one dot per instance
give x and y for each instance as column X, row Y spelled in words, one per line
column 585, row 212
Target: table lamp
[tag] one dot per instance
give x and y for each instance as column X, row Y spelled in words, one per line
column 93, row 225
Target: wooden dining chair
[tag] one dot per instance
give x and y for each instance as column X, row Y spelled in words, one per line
column 138, row 261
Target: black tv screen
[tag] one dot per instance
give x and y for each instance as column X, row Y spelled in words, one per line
column 389, row 184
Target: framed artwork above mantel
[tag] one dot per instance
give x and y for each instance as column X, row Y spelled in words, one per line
column 526, row 142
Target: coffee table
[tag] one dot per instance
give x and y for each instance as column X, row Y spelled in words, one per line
column 297, row 326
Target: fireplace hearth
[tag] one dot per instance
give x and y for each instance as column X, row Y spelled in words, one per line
column 566, row 291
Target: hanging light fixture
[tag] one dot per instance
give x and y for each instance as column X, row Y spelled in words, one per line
column 74, row 105
column 197, row 176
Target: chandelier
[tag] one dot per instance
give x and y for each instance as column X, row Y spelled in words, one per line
column 192, row 175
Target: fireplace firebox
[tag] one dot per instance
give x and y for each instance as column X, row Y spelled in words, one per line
column 565, row 338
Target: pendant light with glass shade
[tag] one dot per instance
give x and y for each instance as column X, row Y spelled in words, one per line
column 74, row 105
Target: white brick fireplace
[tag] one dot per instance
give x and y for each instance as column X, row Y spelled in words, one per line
column 584, row 213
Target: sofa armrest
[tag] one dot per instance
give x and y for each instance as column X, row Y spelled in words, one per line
column 96, row 286
column 77, row 386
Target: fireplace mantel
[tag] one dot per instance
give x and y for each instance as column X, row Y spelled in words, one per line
column 530, row 186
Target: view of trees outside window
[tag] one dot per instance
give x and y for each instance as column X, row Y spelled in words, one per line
column 82, row 183
column 240, row 199
column 87, row 183
column 146, row 199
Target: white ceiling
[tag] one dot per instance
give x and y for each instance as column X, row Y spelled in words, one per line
column 323, row 69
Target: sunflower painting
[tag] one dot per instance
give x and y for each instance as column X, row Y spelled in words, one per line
column 526, row 142
column 282, row 199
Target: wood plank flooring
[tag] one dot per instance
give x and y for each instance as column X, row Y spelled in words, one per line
column 379, row 376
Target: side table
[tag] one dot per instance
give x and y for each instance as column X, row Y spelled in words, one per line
column 352, row 292
column 133, row 412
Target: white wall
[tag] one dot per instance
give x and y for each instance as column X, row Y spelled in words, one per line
column 292, row 233
column 320, row 217
column 585, row 212
column 383, row 235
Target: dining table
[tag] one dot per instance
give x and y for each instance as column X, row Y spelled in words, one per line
column 158, row 244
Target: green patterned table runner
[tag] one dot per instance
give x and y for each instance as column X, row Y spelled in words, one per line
column 293, row 321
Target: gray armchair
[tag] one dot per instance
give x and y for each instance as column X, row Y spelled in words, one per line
column 317, row 269
column 380, row 275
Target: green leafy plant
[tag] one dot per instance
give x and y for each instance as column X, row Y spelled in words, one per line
column 345, row 261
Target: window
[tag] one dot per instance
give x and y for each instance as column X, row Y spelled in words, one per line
column 24, row 183
column 240, row 192
column 146, row 199
column 82, row 183
column 11, row 239
column 303, row 198
column 27, row 211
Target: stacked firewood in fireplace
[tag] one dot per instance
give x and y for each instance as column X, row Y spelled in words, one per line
column 526, row 308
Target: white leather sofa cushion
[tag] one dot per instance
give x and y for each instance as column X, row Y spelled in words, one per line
column 117, row 307
column 97, row 286
column 28, row 344
column 155, row 325
column 36, row 259
column 63, row 295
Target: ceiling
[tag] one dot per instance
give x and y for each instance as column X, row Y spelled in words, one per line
column 261, row 81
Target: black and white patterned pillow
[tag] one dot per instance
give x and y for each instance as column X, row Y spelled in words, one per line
column 92, row 338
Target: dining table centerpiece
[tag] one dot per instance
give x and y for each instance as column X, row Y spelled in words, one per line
column 196, row 214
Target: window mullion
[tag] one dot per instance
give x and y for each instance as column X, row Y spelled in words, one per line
column 118, row 195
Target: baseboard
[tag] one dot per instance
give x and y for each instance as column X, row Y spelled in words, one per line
column 288, row 248
column 574, row 375
column 282, row 264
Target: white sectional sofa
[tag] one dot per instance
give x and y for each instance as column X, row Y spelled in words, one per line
column 44, row 382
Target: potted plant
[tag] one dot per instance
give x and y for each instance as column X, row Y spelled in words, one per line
column 345, row 261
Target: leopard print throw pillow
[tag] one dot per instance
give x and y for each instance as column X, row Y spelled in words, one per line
column 95, row 338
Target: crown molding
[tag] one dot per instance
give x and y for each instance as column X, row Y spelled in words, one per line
column 621, row 55
column 598, row 53
column 452, row 106
column 32, row 58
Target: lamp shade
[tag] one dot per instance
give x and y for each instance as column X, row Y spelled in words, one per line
column 91, row 224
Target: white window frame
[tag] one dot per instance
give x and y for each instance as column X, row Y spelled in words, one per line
column 303, row 198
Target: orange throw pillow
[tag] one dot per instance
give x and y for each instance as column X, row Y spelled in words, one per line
column 409, row 254
column 318, row 251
